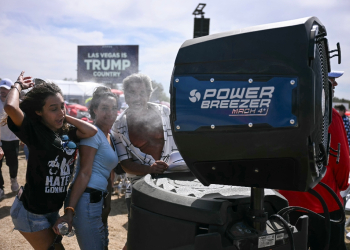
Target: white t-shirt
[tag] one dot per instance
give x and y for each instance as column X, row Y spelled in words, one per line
column 5, row 134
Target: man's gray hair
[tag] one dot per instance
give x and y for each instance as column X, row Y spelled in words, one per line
column 138, row 78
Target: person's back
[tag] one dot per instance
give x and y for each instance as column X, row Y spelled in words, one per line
column 336, row 178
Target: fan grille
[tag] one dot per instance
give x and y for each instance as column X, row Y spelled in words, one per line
column 320, row 67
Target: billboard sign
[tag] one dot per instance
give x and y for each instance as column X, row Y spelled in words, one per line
column 107, row 63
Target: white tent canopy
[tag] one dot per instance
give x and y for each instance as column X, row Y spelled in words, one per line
column 77, row 91
column 77, row 88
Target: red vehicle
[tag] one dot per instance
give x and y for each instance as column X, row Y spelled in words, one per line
column 78, row 111
column 117, row 92
column 82, row 112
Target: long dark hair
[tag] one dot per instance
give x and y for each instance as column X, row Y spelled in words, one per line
column 99, row 94
column 35, row 100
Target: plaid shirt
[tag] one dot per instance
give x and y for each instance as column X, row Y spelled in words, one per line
column 347, row 126
column 126, row 150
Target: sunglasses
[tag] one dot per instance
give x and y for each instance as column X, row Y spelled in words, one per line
column 64, row 143
column 107, row 89
column 38, row 81
column 67, row 143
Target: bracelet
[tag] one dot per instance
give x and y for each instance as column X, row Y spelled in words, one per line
column 71, row 208
column 14, row 87
column 20, row 84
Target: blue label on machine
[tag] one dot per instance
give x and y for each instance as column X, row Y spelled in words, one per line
column 229, row 103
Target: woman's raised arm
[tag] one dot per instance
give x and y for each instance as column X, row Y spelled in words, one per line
column 85, row 129
column 11, row 106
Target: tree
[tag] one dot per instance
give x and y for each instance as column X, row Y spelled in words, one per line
column 336, row 99
column 158, row 92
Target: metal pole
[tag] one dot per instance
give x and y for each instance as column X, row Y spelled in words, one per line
column 257, row 208
column 257, row 198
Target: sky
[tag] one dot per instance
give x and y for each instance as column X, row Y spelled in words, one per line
column 41, row 37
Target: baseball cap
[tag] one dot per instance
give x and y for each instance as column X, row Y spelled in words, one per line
column 6, row 83
column 335, row 74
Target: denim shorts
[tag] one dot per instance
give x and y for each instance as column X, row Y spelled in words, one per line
column 28, row 222
column 26, row 151
column 90, row 231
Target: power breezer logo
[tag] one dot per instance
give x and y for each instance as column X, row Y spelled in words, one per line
column 194, row 95
column 242, row 101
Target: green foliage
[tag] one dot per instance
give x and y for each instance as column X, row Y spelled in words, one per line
column 336, row 99
column 158, row 92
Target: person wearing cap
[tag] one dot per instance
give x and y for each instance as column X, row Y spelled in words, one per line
column 9, row 142
column 336, row 178
column 341, row 110
column 332, row 75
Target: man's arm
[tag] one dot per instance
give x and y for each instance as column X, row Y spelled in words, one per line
column 132, row 167
column 338, row 135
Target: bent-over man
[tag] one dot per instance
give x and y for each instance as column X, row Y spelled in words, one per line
column 142, row 132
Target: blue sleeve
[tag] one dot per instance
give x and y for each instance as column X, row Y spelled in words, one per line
column 93, row 142
column 347, row 127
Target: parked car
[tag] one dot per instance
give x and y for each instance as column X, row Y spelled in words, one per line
column 78, row 111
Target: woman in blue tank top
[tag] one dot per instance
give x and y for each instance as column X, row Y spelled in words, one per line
column 88, row 201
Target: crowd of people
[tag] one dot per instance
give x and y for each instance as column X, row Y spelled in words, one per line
column 53, row 138
column 139, row 139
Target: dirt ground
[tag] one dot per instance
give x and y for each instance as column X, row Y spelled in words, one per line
column 13, row 240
